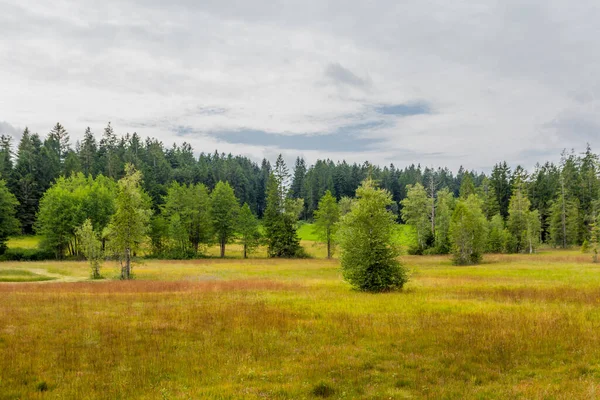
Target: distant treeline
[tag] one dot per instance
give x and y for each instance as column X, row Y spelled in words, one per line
column 35, row 163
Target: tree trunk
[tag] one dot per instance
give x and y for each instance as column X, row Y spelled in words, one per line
column 127, row 263
column 245, row 250
column 222, row 249
column 329, row 249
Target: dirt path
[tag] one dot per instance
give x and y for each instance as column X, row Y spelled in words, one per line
column 57, row 277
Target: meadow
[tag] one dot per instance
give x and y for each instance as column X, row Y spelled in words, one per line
column 516, row 326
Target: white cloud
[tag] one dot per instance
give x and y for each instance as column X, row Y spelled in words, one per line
column 501, row 79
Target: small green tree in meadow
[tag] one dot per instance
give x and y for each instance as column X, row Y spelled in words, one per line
column 498, row 235
column 366, row 239
column 416, row 213
column 468, row 231
column 326, row 218
column 130, row 223
column 224, row 212
column 281, row 215
column 91, row 247
column 9, row 224
column 248, row 230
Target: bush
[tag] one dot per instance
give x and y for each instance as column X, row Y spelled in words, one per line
column 323, row 390
column 18, row 254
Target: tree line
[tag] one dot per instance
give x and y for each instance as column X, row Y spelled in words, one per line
column 563, row 195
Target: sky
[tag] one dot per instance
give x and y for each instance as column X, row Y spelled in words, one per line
column 434, row 82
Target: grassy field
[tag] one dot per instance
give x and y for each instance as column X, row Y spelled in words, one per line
column 516, row 326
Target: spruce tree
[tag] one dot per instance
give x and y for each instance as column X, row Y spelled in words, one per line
column 247, row 229
column 281, row 216
column 368, row 250
column 326, row 217
column 8, row 222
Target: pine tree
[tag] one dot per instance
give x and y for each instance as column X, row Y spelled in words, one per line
column 88, row 153
column 368, row 251
column 9, row 224
column 326, row 218
column 58, row 142
column 280, row 219
column 247, row 228
column 415, row 212
column 28, row 185
column 519, row 219
column 499, row 180
column 467, row 187
column 6, row 164
column 444, row 206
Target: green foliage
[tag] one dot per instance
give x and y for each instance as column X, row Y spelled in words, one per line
column 468, row 231
column 467, row 187
column 326, row 218
column 444, row 205
column 129, row 224
column 8, row 222
column 224, row 208
column 247, row 229
column 564, row 222
column 185, row 221
column 281, row 216
column 585, row 247
column 20, row 254
column 366, row 238
column 416, row 213
column 519, row 221
column 67, row 204
column 91, row 247
column 345, row 205
column 498, row 235
column 531, row 238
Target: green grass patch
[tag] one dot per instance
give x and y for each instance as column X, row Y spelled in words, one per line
column 20, row 275
column 24, row 242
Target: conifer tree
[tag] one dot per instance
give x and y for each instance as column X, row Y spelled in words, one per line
column 415, row 212
column 247, row 228
column 281, row 215
column 326, row 217
column 8, row 222
column 368, row 250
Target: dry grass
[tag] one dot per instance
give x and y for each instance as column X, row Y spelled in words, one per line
column 515, row 327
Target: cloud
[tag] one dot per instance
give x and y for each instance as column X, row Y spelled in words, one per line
column 8, row 129
column 481, row 82
column 341, row 75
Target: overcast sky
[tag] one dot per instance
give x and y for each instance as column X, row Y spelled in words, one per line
column 441, row 83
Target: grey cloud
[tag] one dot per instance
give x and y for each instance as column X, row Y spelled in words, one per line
column 574, row 131
column 8, row 129
column 338, row 74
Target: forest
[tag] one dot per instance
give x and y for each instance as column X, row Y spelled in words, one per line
column 55, row 186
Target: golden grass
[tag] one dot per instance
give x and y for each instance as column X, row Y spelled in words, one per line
column 515, row 327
